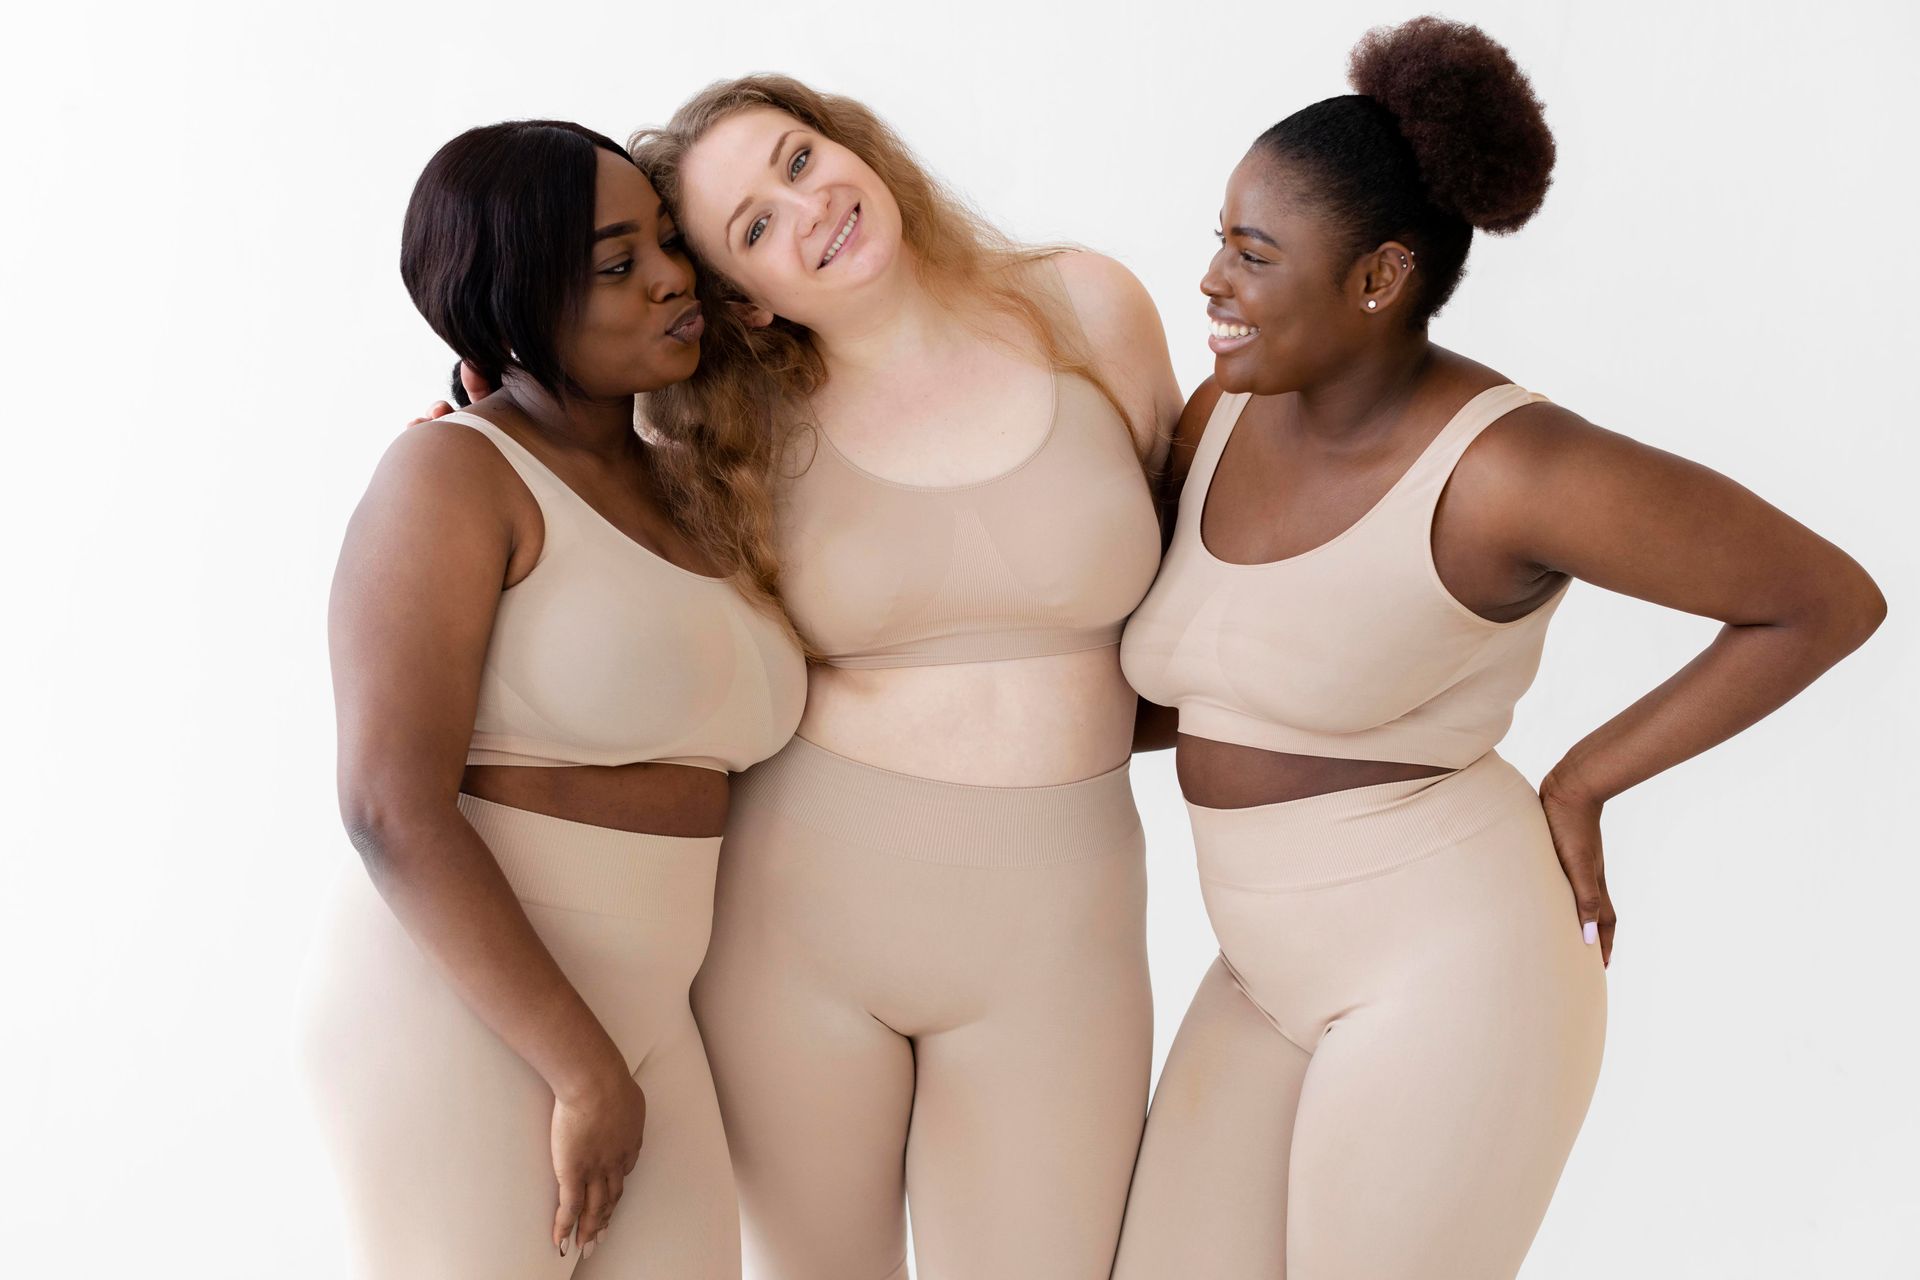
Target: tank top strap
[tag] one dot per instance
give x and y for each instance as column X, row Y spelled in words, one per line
column 546, row 487
column 1206, row 455
column 1421, row 487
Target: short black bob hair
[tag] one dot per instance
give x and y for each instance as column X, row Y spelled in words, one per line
column 498, row 240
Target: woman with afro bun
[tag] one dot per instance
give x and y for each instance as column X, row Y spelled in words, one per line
column 1383, row 1073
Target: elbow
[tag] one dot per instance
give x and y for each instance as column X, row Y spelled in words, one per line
column 1852, row 607
column 378, row 824
column 1861, row 609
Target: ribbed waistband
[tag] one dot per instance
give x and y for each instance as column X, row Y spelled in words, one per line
column 934, row 821
column 552, row 862
column 1349, row 835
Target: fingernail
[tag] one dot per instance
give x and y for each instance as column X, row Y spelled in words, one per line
column 1590, row 931
column 563, row 1246
column 588, row 1251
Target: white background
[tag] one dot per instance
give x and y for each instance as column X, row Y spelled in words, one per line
column 207, row 347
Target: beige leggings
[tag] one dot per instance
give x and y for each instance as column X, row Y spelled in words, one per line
column 440, row 1132
column 1383, row 1073
column 933, row 990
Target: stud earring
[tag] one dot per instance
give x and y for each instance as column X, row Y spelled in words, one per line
column 1371, row 304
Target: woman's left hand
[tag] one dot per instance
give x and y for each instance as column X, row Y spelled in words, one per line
column 1575, row 824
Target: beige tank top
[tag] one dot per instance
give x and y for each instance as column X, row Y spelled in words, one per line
column 607, row 653
column 1353, row 650
column 1048, row 557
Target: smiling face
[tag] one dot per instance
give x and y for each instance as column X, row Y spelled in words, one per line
column 638, row 327
column 802, row 224
column 1283, row 298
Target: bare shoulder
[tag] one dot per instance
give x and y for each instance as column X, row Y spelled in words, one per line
column 1113, row 306
column 1126, row 344
column 444, row 471
column 1188, row 431
column 1539, row 441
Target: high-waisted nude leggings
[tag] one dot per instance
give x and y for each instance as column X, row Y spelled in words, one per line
column 934, row 989
column 440, row 1132
column 1383, row 1073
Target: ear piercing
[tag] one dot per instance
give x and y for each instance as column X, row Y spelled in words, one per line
column 1371, row 304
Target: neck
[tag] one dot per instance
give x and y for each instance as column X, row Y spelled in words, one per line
column 598, row 425
column 1366, row 395
column 898, row 325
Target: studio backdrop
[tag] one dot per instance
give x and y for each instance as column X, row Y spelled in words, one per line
column 208, row 347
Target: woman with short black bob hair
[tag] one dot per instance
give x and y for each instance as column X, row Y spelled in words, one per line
column 1382, row 1075
column 542, row 685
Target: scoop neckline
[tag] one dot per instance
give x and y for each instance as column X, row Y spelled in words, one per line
column 1053, row 425
column 610, row 526
column 1400, row 482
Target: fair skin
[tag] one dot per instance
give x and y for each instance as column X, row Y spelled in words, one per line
column 1347, row 393
column 920, row 396
column 446, row 525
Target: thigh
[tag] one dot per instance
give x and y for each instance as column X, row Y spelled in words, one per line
column 1437, row 1115
column 1027, row 1118
column 678, row 1218
column 1209, row 1195
column 816, row 1094
column 438, row 1131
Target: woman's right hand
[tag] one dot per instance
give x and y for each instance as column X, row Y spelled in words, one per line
column 596, row 1143
column 472, row 384
column 440, row 410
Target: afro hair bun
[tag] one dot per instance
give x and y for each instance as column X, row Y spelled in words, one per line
column 1469, row 113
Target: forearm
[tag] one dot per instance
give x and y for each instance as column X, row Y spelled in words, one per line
column 442, row 883
column 1154, row 727
column 1743, row 676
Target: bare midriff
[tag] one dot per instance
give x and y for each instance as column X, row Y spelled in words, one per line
column 656, row 799
column 1022, row 722
column 1226, row 775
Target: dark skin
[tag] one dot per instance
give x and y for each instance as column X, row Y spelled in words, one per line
column 1346, row 395
column 447, row 525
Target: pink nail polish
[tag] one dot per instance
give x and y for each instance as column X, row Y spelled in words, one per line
column 587, row 1251
column 1590, row 931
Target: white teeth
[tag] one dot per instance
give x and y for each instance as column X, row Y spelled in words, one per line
column 1230, row 330
column 841, row 239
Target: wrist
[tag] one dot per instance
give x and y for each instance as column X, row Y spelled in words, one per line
column 589, row 1078
column 1566, row 785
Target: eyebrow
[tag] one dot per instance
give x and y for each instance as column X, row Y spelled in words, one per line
column 1253, row 233
column 613, row 229
column 773, row 158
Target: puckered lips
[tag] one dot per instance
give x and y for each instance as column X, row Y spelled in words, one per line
column 688, row 325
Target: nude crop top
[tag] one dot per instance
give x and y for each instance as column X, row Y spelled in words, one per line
column 1048, row 557
column 1354, row 649
column 607, row 653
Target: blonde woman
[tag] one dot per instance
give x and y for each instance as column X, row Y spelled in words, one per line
column 928, row 975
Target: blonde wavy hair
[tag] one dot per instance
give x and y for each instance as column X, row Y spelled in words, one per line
column 732, row 420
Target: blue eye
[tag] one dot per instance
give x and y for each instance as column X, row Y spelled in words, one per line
column 799, row 162
column 753, row 232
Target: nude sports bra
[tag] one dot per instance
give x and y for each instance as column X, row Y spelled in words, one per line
column 1354, row 649
column 608, row 654
column 1048, row 557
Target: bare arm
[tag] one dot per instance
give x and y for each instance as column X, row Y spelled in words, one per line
column 426, row 556
column 1128, row 345
column 1572, row 498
